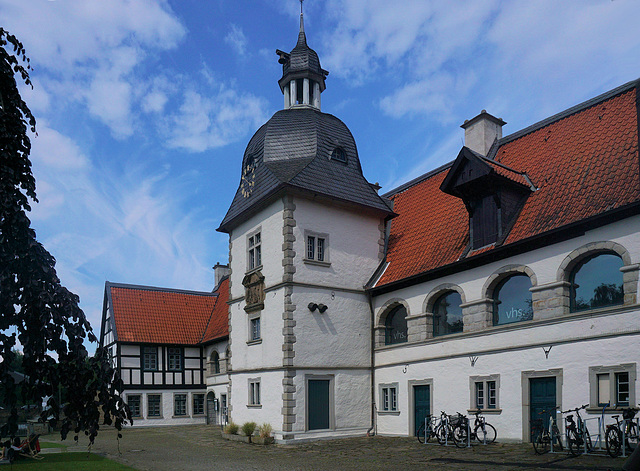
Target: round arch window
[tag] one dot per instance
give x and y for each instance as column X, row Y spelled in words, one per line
column 396, row 326
column 215, row 362
column 447, row 314
column 339, row 154
column 597, row 282
column 512, row 300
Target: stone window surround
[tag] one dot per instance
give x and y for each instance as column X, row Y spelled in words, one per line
column 140, row 412
column 214, row 363
column 251, row 316
column 159, row 396
column 391, row 410
column 550, row 300
column 254, row 396
column 193, row 404
column 250, row 234
column 313, row 261
column 472, row 393
column 186, row 404
column 594, row 371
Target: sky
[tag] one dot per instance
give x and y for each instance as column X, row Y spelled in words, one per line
column 144, row 107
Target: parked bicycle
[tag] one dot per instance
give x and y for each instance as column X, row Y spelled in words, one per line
column 624, row 430
column 578, row 437
column 546, row 437
column 483, row 432
column 427, row 430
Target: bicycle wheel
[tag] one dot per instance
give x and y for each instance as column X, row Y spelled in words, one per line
column 574, row 442
column 421, row 434
column 441, row 434
column 541, row 443
column 557, row 438
column 461, row 436
column 613, row 441
column 488, row 435
column 632, row 436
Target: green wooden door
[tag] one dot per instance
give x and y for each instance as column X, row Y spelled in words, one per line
column 421, row 405
column 318, row 404
column 542, row 400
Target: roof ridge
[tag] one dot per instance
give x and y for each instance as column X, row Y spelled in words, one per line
column 160, row 289
column 570, row 111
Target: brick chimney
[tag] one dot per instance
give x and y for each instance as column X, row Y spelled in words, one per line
column 481, row 131
column 220, row 271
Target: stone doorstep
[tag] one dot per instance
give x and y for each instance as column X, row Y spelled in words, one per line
column 254, row 439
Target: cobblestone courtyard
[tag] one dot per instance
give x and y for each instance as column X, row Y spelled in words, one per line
column 201, row 448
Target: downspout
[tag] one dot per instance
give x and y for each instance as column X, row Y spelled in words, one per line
column 372, row 430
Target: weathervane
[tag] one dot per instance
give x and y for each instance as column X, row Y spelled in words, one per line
column 301, row 6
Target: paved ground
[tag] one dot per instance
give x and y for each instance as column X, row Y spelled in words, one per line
column 199, row 447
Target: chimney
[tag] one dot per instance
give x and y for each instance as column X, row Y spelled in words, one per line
column 481, row 131
column 220, row 271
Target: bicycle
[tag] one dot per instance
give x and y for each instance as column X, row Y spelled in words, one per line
column 460, row 432
column 578, row 437
column 625, row 428
column 483, row 432
column 428, row 429
column 546, row 437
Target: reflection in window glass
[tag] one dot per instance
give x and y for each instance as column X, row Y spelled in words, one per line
column 396, row 326
column 597, row 282
column 447, row 314
column 512, row 300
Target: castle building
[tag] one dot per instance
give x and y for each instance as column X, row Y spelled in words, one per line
column 503, row 282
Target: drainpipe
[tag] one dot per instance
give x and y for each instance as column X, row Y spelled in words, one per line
column 371, row 432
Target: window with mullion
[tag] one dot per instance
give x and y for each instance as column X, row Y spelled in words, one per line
column 133, row 401
column 154, row 406
column 254, row 250
column 180, row 404
column 174, row 359
column 150, row 358
column 622, row 389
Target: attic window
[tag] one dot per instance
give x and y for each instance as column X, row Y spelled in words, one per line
column 485, row 223
column 339, row 154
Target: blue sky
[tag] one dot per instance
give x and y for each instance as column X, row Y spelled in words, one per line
column 144, row 107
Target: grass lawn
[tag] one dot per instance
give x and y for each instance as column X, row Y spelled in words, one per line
column 52, row 445
column 70, row 462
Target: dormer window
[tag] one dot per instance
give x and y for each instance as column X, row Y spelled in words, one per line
column 339, row 154
column 484, row 222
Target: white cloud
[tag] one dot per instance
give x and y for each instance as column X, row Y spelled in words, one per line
column 237, row 40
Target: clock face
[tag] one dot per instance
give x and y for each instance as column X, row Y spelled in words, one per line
column 248, row 178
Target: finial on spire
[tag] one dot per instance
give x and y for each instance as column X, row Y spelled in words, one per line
column 301, row 18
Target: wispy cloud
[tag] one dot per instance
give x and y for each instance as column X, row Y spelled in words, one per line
column 236, row 40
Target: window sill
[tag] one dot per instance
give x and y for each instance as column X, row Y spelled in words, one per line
column 198, row 415
column 316, row 262
column 254, row 406
column 254, row 342
column 180, row 416
column 155, row 417
column 388, row 412
column 253, row 270
column 485, row 411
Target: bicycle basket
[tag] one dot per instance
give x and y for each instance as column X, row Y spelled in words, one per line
column 628, row 414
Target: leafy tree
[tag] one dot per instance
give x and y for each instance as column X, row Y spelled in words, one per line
column 35, row 309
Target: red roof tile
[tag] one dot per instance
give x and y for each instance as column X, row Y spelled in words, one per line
column 583, row 163
column 156, row 315
column 218, row 325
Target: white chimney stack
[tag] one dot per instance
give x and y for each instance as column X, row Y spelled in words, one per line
column 481, row 131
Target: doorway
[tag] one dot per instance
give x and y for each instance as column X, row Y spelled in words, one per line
column 542, row 400
column 318, row 404
column 421, row 405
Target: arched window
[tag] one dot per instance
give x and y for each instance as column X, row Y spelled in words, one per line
column 512, row 300
column 447, row 314
column 396, row 326
column 597, row 282
column 215, row 362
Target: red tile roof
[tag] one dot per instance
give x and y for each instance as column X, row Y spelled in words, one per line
column 584, row 162
column 156, row 315
column 218, row 325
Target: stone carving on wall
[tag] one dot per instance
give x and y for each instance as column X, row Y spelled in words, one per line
column 253, row 291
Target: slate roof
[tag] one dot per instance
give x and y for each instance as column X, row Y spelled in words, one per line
column 145, row 314
column 584, row 163
column 293, row 150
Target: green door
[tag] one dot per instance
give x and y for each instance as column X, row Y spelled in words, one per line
column 318, row 404
column 421, row 404
column 542, row 400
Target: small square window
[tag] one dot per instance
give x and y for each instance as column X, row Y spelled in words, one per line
column 254, row 392
column 254, row 326
column 612, row 386
column 316, row 249
column 174, row 357
column 154, row 405
column 133, row 401
column 484, row 392
column 389, row 397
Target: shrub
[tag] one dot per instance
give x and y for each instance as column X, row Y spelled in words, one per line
column 231, row 428
column 248, row 428
column 265, row 430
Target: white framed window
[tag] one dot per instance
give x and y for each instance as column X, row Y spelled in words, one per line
column 180, row 404
column 154, row 405
column 255, row 328
column 150, row 358
column 316, row 248
column 254, row 392
column 613, row 385
column 388, row 397
column 484, row 392
column 135, row 405
column 174, row 359
column 254, row 250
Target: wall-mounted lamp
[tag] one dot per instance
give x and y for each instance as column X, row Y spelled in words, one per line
column 322, row 308
column 312, row 306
